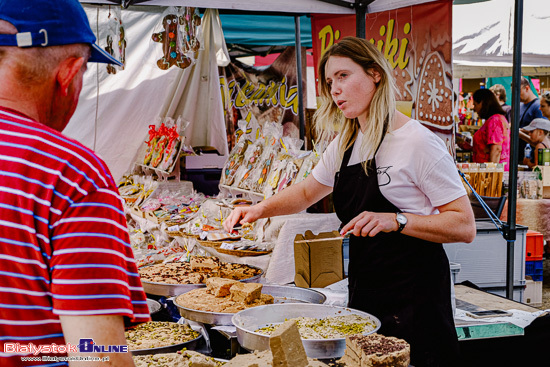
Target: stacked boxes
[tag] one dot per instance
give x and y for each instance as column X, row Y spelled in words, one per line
column 534, row 250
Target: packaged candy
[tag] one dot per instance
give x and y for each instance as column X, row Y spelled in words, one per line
column 255, row 181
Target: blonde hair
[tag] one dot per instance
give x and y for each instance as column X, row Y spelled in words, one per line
column 328, row 117
column 499, row 91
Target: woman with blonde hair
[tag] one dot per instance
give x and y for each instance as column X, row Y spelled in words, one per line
column 397, row 192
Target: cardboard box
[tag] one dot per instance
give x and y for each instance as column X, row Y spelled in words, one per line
column 205, row 161
column 545, row 173
column 318, row 259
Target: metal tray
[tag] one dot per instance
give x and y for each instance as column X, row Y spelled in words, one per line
column 153, row 306
column 170, row 290
column 251, row 319
column 191, row 345
column 280, row 293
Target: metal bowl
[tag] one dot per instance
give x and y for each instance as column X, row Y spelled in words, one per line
column 190, row 344
column 251, row 319
column 170, row 290
column 280, row 293
column 153, row 306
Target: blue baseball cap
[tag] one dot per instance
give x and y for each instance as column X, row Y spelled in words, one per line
column 42, row 23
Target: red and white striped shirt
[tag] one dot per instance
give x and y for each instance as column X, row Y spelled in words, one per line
column 64, row 245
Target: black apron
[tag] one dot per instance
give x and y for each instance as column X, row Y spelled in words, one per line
column 402, row 280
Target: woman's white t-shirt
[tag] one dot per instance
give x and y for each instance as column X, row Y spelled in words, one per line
column 415, row 171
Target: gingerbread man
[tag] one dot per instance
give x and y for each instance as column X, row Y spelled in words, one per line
column 170, row 39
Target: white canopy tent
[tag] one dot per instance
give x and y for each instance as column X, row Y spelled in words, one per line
column 115, row 111
column 284, row 6
column 483, row 38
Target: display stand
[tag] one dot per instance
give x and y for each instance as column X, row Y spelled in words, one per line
column 236, row 192
column 161, row 174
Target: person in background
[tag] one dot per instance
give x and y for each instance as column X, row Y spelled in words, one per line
column 529, row 109
column 500, row 92
column 68, row 271
column 492, row 140
column 398, row 206
column 545, row 104
column 538, row 131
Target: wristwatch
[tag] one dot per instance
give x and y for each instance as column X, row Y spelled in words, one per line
column 401, row 221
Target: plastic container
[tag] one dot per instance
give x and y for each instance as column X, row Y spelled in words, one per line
column 527, row 151
column 533, row 293
column 455, row 269
column 345, row 251
column 534, row 246
column 534, row 270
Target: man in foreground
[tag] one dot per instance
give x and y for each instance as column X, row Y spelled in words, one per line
column 67, row 273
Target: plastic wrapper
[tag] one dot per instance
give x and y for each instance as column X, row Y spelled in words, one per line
column 162, row 142
column 190, row 32
column 251, row 159
column 237, row 154
column 172, row 150
column 236, row 158
column 151, row 142
column 170, row 36
column 115, row 39
column 285, row 167
column 273, row 133
column 309, row 163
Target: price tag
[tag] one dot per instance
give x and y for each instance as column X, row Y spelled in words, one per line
column 227, row 246
column 173, row 228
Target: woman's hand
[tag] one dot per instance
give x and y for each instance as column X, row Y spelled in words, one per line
column 370, row 224
column 242, row 215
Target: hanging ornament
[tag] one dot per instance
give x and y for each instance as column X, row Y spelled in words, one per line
column 116, row 43
column 169, row 37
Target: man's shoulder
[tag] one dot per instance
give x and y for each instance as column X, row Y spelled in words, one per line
column 48, row 143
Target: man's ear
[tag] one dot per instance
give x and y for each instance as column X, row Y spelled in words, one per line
column 68, row 69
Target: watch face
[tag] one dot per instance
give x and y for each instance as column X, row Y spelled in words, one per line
column 401, row 219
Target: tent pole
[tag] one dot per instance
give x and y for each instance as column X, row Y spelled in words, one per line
column 360, row 18
column 510, row 227
column 299, row 79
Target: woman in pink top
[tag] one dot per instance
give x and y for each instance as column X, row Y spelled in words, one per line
column 492, row 140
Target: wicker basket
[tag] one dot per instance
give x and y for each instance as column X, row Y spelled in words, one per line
column 214, row 244
column 242, row 253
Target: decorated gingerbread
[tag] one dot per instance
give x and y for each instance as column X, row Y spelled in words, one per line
column 169, row 37
column 122, row 46
column 110, row 68
column 191, row 22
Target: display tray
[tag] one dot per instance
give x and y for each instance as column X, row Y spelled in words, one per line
column 281, row 294
column 206, row 243
column 170, row 290
column 242, row 253
column 153, row 306
column 251, row 319
column 190, row 345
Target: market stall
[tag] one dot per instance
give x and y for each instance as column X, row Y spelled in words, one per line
column 175, row 223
